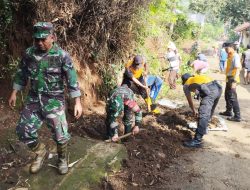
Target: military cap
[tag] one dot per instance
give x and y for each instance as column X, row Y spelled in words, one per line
column 42, row 29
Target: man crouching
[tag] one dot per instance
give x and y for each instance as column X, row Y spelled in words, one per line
column 121, row 100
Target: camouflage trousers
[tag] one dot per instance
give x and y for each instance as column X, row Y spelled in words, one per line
column 112, row 123
column 34, row 114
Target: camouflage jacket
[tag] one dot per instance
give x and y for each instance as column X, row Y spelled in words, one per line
column 47, row 73
column 120, row 97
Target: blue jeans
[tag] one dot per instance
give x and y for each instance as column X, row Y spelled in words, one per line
column 222, row 65
column 155, row 84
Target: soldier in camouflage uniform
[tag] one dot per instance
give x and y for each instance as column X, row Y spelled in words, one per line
column 121, row 100
column 46, row 67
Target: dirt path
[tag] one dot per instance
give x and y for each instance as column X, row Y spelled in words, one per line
column 224, row 163
column 156, row 157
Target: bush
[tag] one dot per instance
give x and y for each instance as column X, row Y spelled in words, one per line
column 5, row 20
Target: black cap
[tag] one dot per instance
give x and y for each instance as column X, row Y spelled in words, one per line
column 185, row 77
column 137, row 60
column 229, row 44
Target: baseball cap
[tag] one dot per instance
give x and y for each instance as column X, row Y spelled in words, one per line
column 138, row 60
column 185, row 77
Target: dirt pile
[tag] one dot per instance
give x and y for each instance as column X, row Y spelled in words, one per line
column 151, row 153
column 90, row 126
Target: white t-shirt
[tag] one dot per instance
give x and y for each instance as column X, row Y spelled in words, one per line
column 173, row 60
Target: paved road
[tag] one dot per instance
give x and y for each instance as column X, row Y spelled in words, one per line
column 224, row 163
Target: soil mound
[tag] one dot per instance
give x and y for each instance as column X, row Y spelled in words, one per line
column 152, row 152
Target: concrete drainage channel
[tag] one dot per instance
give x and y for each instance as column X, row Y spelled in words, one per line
column 97, row 158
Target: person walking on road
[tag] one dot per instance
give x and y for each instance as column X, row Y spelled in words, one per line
column 232, row 78
column 246, row 65
column 210, row 92
column 46, row 67
column 223, row 58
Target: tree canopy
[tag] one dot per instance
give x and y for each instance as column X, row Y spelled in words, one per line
column 234, row 12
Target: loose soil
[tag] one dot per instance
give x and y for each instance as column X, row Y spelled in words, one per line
column 150, row 153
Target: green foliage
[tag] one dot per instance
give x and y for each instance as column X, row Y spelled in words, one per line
column 5, row 20
column 236, row 12
column 232, row 36
column 212, row 31
column 109, row 75
column 185, row 29
column 164, row 20
column 211, row 8
column 155, row 19
column 184, row 68
column 9, row 68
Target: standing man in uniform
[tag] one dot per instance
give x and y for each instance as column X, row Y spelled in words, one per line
column 210, row 92
column 232, row 78
column 121, row 100
column 47, row 67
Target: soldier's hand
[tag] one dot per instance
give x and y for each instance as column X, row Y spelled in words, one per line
column 115, row 138
column 77, row 108
column 12, row 99
column 135, row 130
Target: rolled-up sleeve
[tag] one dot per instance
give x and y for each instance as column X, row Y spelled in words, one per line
column 136, row 109
column 71, row 77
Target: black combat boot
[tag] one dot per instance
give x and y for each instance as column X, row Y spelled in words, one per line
column 62, row 159
column 236, row 119
column 196, row 142
column 226, row 113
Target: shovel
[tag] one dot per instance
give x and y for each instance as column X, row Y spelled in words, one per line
column 123, row 136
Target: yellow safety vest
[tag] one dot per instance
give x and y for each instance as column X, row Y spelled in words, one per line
column 198, row 79
column 230, row 70
column 137, row 72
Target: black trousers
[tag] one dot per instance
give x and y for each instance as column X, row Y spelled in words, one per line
column 210, row 94
column 136, row 88
column 231, row 99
